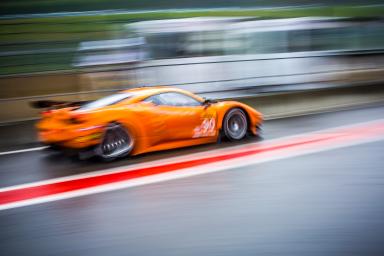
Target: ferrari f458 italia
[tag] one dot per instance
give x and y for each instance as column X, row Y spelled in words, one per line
column 144, row 119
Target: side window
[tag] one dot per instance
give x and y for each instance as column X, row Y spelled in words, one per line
column 172, row 99
column 155, row 99
column 177, row 99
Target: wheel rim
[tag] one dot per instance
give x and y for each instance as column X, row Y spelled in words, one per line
column 236, row 125
column 116, row 142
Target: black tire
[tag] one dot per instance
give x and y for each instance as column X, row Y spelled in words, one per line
column 116, row 142
column 235, row 124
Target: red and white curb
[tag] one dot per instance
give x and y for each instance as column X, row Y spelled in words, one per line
column 189, row 165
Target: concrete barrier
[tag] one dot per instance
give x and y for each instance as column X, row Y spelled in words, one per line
column 271, row 104
column 304, row 102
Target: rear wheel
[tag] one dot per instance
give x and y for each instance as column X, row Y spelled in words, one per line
column 116, row 142
column 235, row 124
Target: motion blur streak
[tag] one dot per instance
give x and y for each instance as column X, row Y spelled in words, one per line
column 68, row 187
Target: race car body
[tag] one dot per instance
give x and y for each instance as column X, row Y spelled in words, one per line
column 146, row 119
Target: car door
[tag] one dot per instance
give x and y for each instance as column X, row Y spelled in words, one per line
column 184, row 117
column 151, row 119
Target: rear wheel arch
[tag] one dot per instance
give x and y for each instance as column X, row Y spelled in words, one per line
column 118, row 138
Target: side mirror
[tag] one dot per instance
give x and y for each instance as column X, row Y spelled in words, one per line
column 208, row 102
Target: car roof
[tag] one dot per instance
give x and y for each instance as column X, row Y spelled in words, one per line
column 151, row 90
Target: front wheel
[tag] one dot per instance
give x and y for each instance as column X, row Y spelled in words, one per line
column 116, row 142
column 235, row 124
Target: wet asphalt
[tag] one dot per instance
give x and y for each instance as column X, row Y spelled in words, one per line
column 327, row 203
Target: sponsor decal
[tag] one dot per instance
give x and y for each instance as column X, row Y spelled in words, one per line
column 206, row 128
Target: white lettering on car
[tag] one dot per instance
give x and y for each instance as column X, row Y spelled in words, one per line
column 205, row 129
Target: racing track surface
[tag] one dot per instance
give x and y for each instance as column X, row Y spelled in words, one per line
column 324, row 203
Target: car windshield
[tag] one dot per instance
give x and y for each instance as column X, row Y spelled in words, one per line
column 106, row 101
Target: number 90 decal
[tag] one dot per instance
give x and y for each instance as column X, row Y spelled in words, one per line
column 206, row 128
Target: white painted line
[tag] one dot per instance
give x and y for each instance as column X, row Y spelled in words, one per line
column 193, row 171
column 22, row 150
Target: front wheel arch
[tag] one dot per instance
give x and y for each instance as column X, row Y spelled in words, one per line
column 239, row 126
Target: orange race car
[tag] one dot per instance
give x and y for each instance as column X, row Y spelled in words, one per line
column 144, row 119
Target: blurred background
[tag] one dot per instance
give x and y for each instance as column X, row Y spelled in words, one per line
column 81, row 50
column 286, row 58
